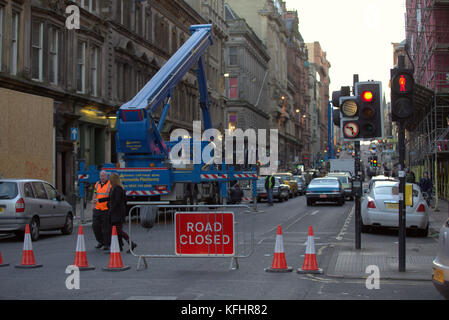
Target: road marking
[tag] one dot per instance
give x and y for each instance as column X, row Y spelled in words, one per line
column 315, row 212
column 345, row 225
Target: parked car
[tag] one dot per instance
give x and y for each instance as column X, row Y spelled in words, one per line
column 302, row 185
column 381, row 204
column 345, row 180
column 380, row 178
column 325, row 190
column 440, row 265
column 33, row 202
column 288, row 179
column 281, row 191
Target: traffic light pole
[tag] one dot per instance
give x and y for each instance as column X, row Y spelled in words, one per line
column 357, row 198
column 402, row 208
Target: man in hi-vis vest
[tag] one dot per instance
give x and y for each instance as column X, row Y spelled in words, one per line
column 100, row 219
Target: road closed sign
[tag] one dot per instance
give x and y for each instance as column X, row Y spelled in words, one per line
column 204, row 233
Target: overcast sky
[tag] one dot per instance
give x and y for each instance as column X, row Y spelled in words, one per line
column 356, row 34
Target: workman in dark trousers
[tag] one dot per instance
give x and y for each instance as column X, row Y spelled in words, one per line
column 100, row 219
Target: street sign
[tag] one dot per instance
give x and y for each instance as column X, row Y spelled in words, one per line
column 204, row 234
column 74, row 134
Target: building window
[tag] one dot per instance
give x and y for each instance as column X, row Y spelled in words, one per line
column 14, row 42
column 81, row 68
column 148, row 26
column 233, row 56
column 53, row 48
column 138, row 19
column 94, row 71
column 1, row 37
column 89, row 5
column 232, row 121
column 37, row 40
column 233, row 88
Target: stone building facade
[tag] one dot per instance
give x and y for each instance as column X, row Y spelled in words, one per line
column 298, row 77
column 321, row 66
column 246, row 63
column 91, row 72
column 266, row 18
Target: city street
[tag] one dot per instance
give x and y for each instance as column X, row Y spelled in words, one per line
column 212, row 278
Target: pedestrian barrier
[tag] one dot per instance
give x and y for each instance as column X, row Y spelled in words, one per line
column 310, row 264
column 28, row 260
column 1, row 261
column 181, row 231
column 115, row 258
column 279, row 262
column 80, row 256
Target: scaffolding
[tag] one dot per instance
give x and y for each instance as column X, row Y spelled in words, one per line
column 427, row 31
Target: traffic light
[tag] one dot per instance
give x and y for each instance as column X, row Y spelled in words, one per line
column 362, row 114
column 402, row 87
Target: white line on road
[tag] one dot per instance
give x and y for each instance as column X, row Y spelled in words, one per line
column 345, row 225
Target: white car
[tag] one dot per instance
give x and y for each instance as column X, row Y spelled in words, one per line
column 380, row 208
column 440, row 265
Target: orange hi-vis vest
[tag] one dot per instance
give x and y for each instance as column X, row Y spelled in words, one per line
column 102, row 192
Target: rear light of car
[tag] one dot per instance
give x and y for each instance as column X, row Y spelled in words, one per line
column 160, row 188
column 371, row 205
column 421, row 208
column 20, row 205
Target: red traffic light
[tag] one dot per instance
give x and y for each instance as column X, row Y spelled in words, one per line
column 367, row 96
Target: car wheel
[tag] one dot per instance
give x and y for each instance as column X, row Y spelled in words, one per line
column 34, row 229
column 341, row 202
column 309, row 202
column 364, row 228
column 423, row 232
column 68, row 226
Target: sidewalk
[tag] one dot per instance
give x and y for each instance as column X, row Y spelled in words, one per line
column 348, row 263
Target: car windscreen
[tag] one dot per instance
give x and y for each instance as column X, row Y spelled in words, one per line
column 284, row 177
column 323, row 182
column 342, row 179
column 8, row 190
column 386, row 190
column 261, row 182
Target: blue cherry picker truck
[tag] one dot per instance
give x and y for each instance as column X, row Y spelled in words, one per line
column 148, row 173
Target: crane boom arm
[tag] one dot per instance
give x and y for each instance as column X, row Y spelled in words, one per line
column 137, row 132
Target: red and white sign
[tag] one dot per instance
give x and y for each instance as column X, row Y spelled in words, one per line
column 204, row 233
column 214, row 176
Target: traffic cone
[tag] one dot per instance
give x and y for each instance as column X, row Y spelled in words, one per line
column 310, row 264
column 28, row 255
column 1, row 261
column 115, row 258
column 81, row 257
column 279, row 262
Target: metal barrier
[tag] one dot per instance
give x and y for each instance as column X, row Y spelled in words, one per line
column 153, row 228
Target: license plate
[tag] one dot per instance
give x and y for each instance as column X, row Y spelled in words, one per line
column 323, row 196
column 438, row 275
column 392, row 205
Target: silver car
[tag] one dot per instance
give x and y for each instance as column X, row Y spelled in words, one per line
column 33, row 202
column 440, row 265
column 380, row 207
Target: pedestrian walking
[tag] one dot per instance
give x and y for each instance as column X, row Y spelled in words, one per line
column 269, row 185
column 410, row 176
column 117, row 210
column 100, row 216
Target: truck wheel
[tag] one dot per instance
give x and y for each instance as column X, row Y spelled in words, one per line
column 148, row 216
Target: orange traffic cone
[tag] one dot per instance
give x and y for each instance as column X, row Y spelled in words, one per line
column 1, row 262
column 279, row 262
column 28, row 255
column 81, row 257
column 115, row 258
column 310, row 264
